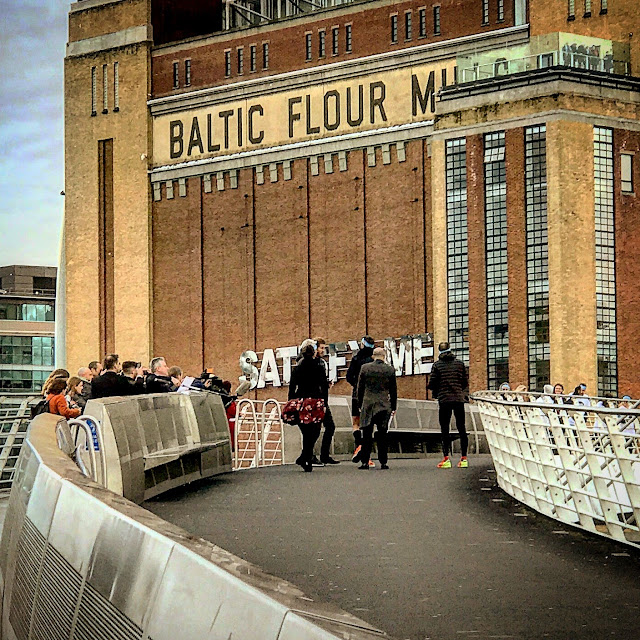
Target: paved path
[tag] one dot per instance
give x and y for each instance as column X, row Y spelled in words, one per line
column 419, row 552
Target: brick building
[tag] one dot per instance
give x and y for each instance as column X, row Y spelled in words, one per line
column 241, row 175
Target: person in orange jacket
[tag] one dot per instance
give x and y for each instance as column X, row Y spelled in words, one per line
column 57, row 402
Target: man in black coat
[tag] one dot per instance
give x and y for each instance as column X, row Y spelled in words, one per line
column 159, row 381
column 377, row 397
column 110, row 382
column 363, row 356
column 449, row 383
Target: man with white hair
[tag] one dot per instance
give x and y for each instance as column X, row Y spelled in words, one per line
column 377, row 399
column 159, row 380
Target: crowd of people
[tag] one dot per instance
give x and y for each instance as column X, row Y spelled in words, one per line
column 67, row 395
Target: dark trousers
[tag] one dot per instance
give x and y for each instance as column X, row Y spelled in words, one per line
column 445, row 411
column 310, row 433
column 329, row 430
column 381, row 422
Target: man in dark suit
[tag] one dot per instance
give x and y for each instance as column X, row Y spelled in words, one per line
column 377, row 399
column 110, row 383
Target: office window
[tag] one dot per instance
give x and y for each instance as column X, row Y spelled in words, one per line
column 227, row 63
column 26, row 350
column 408, row 26
column 500, row 10
column 457, row 247
column 436, row 21
column 495, row 208
column 604, row 6
column 308, row 46
column 322, row 44
column 187, row 73
column 240, row 60
column 265, row 55
column 94, row 89
column 422, row 22
column 348, row 38
column 116, row 86
column 28, row 312
column 606, row 332
column 176, row 75
column 335, row 34
column 105, row 89
column 626, row 167
column 394, row 28
column 485, row 11
column 587, row 8
column 537, row 256
column 253, row 55
column 572, row 10
column 23, row 380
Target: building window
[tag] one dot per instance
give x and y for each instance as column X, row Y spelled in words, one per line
column 176, row 75
column 35, row 351
column 94, row 89
column 500, row 10
column 187, row 73
column 116, row 86
column 422, row 22
column 436, row 21
column 308, row 46
column 537, row 256
column 626, row 168
column 28, row 312
column 322, row 44
column 227, row 63
column 485, row 12
column 572, row 10
column 265, row 55
column 408, row 26
column 394, row 29
column 23, row 380
column 587, row 8
column 253, row 55
column 457, row 247
column 604, row 6
column 606, row 340
column 348, row 38
column 240, row 51
column 105, row 89
column 335, row 34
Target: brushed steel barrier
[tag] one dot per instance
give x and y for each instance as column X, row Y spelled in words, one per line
column 575, row 463
column 78, row 562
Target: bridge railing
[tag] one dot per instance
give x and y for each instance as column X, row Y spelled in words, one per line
column 259, row 434
column 577, row 463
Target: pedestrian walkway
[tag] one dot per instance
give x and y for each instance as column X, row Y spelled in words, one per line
column 417, row 551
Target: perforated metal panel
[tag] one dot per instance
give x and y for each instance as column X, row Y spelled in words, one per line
column 98, row 619
column 31, row 545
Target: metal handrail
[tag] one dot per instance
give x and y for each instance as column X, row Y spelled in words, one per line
column 83, row 422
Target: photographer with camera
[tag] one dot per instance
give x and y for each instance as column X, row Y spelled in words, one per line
column 159, row 380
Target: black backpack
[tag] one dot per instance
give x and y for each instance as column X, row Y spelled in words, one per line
column 42, row 406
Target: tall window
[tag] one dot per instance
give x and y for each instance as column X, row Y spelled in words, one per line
column 408, row 27
column 500, row 10
column 436, row 20
column 116, row 86
column 606, row 341
column 587, row 8
column 94, row 91
column 485, row 11
column 457, row 246
column 604, row 6
column 187, row 73
column 227, row 63
column 105, row 89
column 394, row 28
column 495, row 207
column 265, row 55
column 240, row 60
column 626, row 172
column 37, row 351
column 348, row 38
column 176, row 75
column 537, row 255
column 322, row 44
column 422, row 22
column 571, row 10
column 28, row 312
column 252, row 57
column 335, row 34
column 308, row 45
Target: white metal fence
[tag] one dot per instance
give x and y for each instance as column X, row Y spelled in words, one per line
column 14, row 422
column 259, row 434
column 575, row 463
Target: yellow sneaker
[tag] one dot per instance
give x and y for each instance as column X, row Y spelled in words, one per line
column 464, row 463
column 445, row 463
